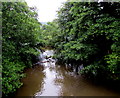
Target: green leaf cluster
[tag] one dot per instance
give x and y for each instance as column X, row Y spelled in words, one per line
column 21, row 31
column 90, row 35
column 49, row 34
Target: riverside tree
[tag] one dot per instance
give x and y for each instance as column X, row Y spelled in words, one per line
column 90, row 35
column 20, row 30
column 50, row 32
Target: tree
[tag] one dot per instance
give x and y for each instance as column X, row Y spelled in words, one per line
column 49, row 33
column 89, row 33
column 20, row 30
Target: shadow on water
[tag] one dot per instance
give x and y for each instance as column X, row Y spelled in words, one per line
column 32, row 82
column 51, row 79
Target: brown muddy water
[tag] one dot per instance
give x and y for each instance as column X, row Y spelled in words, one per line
column 50, row 79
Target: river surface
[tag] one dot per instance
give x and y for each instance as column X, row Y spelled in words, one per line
column 51, row 79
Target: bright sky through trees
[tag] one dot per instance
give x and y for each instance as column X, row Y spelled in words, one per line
column 46, row 8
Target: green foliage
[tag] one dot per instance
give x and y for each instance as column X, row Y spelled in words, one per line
column 90, row 36
column 12, row 73
column 21, row 31
column 49, row 33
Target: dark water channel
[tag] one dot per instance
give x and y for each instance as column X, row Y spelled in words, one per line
column 50, row 79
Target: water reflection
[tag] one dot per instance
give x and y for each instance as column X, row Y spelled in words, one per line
column 49, row 87
column 33, row 82
column 75, row 85
column 50, row 79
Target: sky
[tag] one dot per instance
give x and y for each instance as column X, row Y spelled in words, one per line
column 46, row 8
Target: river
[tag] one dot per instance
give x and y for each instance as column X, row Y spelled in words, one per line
column 51, row 79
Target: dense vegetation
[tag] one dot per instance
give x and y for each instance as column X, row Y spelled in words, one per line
column 85, row 33
column 49, row 33
column 20, row 30
column 90, row 36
